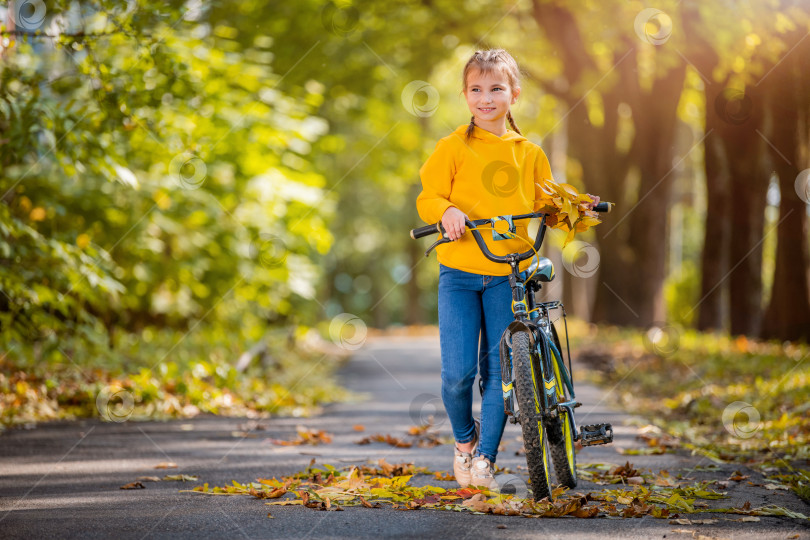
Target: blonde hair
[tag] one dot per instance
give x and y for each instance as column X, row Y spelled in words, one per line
column 487, row 62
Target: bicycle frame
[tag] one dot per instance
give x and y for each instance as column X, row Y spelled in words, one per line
column 536, row 320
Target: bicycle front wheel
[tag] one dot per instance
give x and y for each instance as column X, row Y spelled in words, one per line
column 529, row 398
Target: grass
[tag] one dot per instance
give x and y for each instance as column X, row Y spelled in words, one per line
column 731, row 399
column 158, row 375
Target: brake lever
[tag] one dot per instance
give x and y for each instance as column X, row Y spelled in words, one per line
column 443, row 240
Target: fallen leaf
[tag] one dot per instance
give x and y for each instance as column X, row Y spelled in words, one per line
column 305, row 436
column 737, row 476
column 586, row 512
column 262, row 494
column 149, row 479
column 478, row 505
column 642, row 451
column 133, row 485
column 359, row 427
column 367, row 504
column 180, row 478
column 166, row 465
column 393, row 441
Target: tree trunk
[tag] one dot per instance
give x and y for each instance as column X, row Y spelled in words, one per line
column 750, row 173
column 605, row 172
column 717, row 229
column 787, row 89
column 712, row 305
column 654, row 116
column 717, row 233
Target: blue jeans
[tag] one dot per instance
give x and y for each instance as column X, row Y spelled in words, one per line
column 473, row 306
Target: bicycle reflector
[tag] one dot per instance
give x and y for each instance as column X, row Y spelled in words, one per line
column 502, row 228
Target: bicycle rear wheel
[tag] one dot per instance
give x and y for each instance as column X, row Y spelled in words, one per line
column 560, row 434
column 529, row 399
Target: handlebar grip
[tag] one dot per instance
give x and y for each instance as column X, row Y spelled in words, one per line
column 603, row 207
column 427, row 230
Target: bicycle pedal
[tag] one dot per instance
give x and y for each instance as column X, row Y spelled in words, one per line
column 594, row 434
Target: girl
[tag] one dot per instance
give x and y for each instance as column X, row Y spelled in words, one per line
column 479, row 171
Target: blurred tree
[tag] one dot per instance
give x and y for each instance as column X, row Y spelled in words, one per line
column 636, row 80
column 750, row 80
column 712, row 305
column 788, row 99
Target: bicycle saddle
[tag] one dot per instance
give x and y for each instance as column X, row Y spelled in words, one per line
column 545, row 270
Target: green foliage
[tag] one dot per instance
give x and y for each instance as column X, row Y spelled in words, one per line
column 176, row 188
column 154, row 178
column 681, row 291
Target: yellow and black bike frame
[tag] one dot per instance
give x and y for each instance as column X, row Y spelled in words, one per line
column 547, row 358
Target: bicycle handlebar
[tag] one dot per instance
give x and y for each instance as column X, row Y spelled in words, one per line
column 437, row 228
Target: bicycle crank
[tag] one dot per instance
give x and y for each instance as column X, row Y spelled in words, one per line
column 594, row 434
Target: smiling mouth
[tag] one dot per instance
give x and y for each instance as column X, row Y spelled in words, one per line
column 486, row 109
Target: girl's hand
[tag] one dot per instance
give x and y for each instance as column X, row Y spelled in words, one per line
column 453, row 223
column 595, row 201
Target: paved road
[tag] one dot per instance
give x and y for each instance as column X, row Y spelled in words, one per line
column 62, row 480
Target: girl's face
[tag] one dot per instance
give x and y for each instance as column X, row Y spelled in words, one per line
column 489, row 97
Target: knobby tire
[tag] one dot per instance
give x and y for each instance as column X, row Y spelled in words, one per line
column 529, row 404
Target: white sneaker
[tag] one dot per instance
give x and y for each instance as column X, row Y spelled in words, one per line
column 462, row 461
column 481, row 473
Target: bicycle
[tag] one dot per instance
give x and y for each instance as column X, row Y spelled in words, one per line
column 532, row 366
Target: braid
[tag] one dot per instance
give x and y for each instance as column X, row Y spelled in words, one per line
column 470, row 129
column 512, row 122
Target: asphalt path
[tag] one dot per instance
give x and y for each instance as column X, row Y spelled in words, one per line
column 62, row 479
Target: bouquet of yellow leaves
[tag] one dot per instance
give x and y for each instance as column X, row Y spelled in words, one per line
column 567, row 209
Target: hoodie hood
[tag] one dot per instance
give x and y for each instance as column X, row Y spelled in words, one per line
column 484, row 135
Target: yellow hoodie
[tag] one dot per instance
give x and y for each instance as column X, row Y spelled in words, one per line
column 486, row 177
